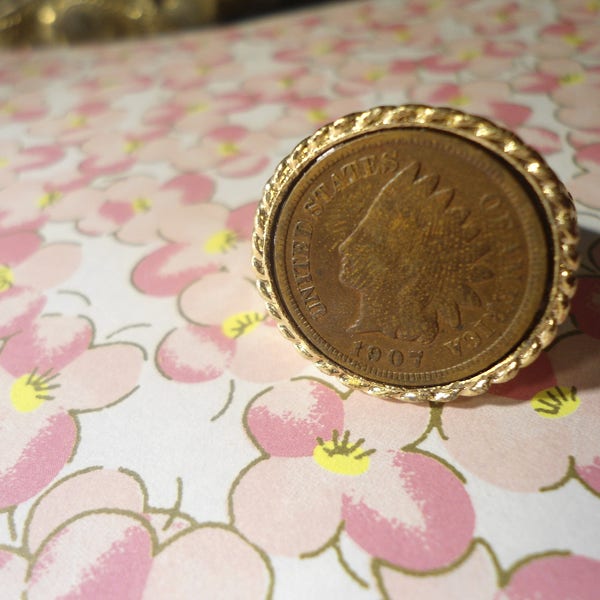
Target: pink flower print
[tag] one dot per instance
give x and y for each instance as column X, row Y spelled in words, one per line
column 111, row 82
column 484, row 58
column 27, row 268
column 584, row 11
column 26, row 106
column 362, row 77
column 304, row 115
column 233, row 151
column 203, row 241
column 569, row 38
column 499, row 17
column 394, row 32
column 115, row 152
column 79, row 123
column 284, row 85
column 23, row 205
column 584, row 186
column 228, row 329
column 551, row 410
column 327, row 462
column 133, row 208
column 433, row 9
column 49, row 372
column 322, row 50
column 199, row 70
column 15, row 159
column 197, row 111
column 94, row 535
column 552, row 577
column 487, row 98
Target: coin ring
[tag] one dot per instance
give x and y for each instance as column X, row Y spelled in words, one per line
column 423, row 125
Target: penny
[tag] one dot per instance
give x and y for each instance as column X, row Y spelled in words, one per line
column 413, row 259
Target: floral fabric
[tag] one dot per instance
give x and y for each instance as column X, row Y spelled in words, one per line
column 159, row 438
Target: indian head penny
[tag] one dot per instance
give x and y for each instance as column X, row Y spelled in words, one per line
column 416, row 253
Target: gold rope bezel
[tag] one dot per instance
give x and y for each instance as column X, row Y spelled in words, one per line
column 553, row 196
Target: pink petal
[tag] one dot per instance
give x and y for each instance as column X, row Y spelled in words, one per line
column 94, row 489
column 478, row 442
column 241, row 219
column 16, row 247
column 100, row 376
column 49, row 266
column 194, row 188
column 287, row 505
column 263, row 356
column 210, row 562
column 244, row 165
column 218, row 296
column 51, row 342
column 554, row 578
column 13, row 570
column 382, row 423
column 192, row 223
column 18, row 307
column 192, row 354
column 288, row 419
column 473, row 578
column 166, row 271
column 98, row 556
column 425, row 519
column 33, row 449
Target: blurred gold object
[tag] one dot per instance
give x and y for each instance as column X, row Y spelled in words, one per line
column 47, row 22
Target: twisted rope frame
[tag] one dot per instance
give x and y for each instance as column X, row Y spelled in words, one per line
column 556, row 202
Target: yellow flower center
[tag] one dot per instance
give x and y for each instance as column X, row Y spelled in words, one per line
column 227, row 149
column 502, row 16
column 6, row 278
column 286, row 82
column 30, row 391
column 403, row 35
column 469, row 54
column 593, row 6
column 241, row 323
column 321, row 49
column 459, row 100
column 141, row 205
column 48, row 199
column 316, row 115
column 340, row 456
column 375, row 74
column 556, row 402
column 220, row 242
column 4, row 162
column 7, row 108
column 573, row 39
column 132, row 146
column 198, row 107
column 77, row 121
column 572, row 78
column 202, row 69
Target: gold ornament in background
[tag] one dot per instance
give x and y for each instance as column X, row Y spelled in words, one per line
column 417, row 253
column 45, row 22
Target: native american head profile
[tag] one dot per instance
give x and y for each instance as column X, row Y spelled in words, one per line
column 413, row 259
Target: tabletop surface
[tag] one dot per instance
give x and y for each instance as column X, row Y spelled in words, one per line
column 158, row 436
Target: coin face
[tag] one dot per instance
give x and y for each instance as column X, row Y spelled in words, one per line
column 410, row 257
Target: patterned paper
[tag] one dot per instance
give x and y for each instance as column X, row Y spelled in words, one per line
column 159, row 438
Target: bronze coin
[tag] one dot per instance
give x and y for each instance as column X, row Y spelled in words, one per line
column 411, row 258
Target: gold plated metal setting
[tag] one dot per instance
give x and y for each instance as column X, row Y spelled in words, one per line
column 416, row 253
